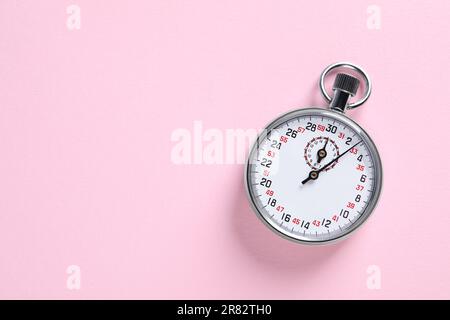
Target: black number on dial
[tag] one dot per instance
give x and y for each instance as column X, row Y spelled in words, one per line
column 291, row 133
column 266, row 182
column 266, row 162
column 331, row 128
column 311, row 126
column 272, row 202
column 348, row 141
column 276, row 144
column 344, row 213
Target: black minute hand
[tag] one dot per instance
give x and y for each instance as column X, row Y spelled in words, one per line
column 322, row 153
column 314, row 174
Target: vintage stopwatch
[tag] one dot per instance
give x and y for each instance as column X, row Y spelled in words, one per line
column 313, row 175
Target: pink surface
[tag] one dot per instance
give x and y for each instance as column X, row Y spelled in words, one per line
column 86, row 118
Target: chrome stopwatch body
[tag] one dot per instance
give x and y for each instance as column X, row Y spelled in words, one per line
column 313, row 175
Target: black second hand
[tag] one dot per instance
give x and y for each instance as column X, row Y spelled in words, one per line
column 329, row 163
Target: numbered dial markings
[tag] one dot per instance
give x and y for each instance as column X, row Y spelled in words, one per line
column 326, row 206
column 319, row 149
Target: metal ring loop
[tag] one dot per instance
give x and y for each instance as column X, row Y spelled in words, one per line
column 350, row 66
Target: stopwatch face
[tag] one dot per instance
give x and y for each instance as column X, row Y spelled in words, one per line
column 313, row 176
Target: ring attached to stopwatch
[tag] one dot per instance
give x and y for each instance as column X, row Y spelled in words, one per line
column 313, row 175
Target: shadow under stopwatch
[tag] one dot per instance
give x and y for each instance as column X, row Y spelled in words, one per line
column 272, row 251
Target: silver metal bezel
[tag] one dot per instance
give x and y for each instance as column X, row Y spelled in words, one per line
column 314, row 111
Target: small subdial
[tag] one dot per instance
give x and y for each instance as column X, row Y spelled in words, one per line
column 319, row 151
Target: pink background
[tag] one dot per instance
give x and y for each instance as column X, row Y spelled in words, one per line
column 86, row 118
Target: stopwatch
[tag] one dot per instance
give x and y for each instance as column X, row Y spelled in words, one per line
column 314, row 175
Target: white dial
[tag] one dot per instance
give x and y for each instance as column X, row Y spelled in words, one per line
column 313, row 175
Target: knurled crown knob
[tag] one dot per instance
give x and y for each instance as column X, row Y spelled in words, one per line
column 347, row 83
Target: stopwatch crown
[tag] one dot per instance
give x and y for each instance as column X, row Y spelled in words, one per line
column 345, row 86
column 346, row 83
